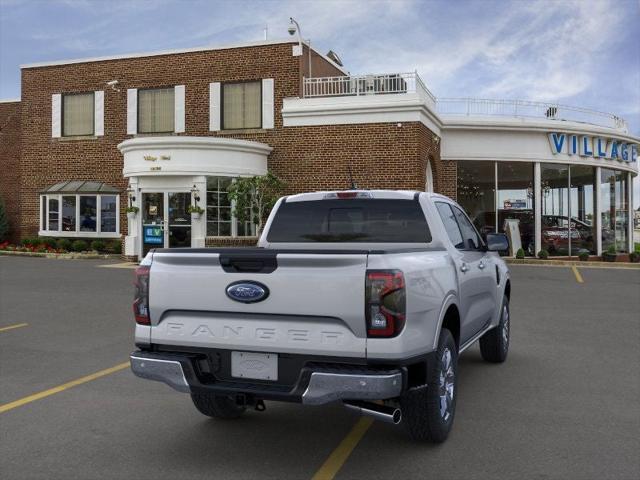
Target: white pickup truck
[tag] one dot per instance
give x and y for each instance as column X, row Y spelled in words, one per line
column 360, row 297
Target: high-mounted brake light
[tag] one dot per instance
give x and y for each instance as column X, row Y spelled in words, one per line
column 344, row 195
column 141, row 296
column 385, row 308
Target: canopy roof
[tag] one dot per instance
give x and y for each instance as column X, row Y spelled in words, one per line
column 81, row 186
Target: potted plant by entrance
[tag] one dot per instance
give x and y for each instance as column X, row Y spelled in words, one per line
column 610, row 255
column 635, row 255
column 195, row 211
column 131, row 212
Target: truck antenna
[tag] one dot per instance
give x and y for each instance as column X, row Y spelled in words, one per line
column 354, row 186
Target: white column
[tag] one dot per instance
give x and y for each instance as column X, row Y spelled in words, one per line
column 133, row 239
column 598, row 212
column 630, row 211
column 537, row 208
column 199, row 226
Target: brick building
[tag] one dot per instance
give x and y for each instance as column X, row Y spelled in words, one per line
column 160, row 131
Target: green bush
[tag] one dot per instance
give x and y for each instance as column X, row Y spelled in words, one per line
column 98, row 245
column 47, row 242
column 114, row 247
column 543, row 254
column 28, row 241
column 520, row 253
column 79, row 246
column 583, row 256
column 64, row 244
column 4, row 222
column 611, row 249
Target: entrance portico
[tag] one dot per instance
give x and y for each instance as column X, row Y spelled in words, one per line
column 167, row 174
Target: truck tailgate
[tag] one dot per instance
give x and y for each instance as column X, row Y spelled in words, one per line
column 315, row 304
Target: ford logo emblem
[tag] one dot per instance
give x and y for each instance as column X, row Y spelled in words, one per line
column 246, row 291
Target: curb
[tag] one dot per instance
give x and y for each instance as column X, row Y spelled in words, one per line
column 572, row 263
column 64, row 256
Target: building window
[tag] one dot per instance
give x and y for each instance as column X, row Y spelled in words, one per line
column 78, row 114
column 477, row 193
column 76, row 215
column 516, row 201
column 156, row 110
column 614, row 209
column 241, row 105
column 220, row 219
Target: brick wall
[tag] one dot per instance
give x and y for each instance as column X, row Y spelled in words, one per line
column 307, row 158
column 10, row 163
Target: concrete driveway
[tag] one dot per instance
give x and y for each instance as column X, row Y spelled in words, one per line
column 564, row 405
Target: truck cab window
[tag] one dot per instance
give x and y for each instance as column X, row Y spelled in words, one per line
column 450, row 224
column 469, row 233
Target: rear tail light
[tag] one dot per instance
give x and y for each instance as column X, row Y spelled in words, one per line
column 385, row 308
column 141, row 297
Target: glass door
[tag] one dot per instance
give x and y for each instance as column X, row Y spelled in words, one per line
column 179, row 219
column 153, row 225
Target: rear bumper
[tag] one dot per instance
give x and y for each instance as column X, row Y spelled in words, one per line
column 315, row 385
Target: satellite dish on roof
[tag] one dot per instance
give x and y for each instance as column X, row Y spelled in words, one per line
column 333, row 56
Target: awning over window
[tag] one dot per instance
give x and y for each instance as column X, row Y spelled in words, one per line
column 80, row 186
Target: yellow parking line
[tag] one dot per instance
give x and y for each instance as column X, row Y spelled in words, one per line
column 11, row 327
column 37, row 396
column 577, row 274
column 119, row 265
column 334, row 463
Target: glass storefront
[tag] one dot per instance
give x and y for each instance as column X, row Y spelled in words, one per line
column 493, row 193
column 614, row 209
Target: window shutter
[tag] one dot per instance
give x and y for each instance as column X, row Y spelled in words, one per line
column 214, row 106
column 179, row 111
column 132, row 111
column 267, row 103
column 98, row 111
column 56, row 115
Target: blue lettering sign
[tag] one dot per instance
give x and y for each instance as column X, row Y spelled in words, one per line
column 573, row 149
column 624, row 153
column 601, row 150
column 586, row 147
column 614, row 149
column 153, row 235
column 557, row 142
column 634, row 153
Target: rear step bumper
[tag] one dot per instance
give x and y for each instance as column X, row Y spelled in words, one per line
column 314, row 387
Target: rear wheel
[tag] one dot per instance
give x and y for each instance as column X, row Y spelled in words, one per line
column 428, row 412
column 217, row 406
column 494, row 345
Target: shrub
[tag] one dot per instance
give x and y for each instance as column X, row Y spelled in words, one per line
column 583, row 256
column 520, row 253
column 4, row 222
column 47, row 242
column 79, row 246
column 29, row 242
column 64, row 244
column 114, row 247
column 634, row 257
column 97, row 245
column 611, row 250
column 543, row 254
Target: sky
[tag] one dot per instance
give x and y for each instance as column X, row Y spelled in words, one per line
column 584, row 53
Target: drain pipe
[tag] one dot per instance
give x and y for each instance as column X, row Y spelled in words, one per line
column 384, row 413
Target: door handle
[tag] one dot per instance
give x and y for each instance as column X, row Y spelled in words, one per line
column 464, row 268
column 481, row 265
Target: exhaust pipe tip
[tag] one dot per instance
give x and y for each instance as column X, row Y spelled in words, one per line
column 384, row 413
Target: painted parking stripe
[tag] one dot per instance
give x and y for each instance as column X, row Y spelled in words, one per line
column 61, row 388
column 11, row 327
column 119, row 265
column 579, row 278
column 336, row 460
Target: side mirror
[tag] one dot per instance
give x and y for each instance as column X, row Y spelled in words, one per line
column 497, row 242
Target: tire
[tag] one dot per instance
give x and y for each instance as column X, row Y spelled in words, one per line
column 494, row 345
column 217, row 406
column 428, row 412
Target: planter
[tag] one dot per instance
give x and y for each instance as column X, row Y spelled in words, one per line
column 195, row 216
column 609, row 257
column 131, row 216
column 634, row 257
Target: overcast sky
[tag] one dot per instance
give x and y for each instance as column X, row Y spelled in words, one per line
column 580, row 52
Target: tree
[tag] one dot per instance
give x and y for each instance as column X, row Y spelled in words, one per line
column 254, row 197
column 4, row 222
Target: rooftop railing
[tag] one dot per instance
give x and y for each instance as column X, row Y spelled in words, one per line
column 401, row 83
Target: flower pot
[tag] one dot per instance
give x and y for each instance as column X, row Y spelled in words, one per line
column 634, row 257
column 195, row 216
column 131, row 216
column 609, row 257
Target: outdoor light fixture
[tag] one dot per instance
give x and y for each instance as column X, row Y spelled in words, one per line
column 195, row 193
column 132, row 198
column 294, row 27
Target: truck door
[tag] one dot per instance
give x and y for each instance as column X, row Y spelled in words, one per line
column 475, row 271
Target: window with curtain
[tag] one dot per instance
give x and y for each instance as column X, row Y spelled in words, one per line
column 77, row 114
column 241, row 105
column 156, row 110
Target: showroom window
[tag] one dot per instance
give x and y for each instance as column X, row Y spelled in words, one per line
column 614, row 209
column 156, row 110
column 220, row 219
column 476, row 193
column 78, row 114
column 241, row 105
column 72, row 209
column 516, row 201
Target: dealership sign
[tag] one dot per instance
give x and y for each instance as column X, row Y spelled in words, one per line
column 597, row 147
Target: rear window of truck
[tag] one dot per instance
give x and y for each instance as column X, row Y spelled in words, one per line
column 350, row 220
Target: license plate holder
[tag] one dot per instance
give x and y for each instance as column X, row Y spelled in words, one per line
column 252, row 365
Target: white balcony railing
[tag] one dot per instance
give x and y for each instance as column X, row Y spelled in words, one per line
column 402, row 83
column 525, row 108
column 357, row 85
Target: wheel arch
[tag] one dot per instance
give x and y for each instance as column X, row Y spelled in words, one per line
column 450, row 319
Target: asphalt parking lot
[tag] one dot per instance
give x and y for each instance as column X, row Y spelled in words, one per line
column 564, row 405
